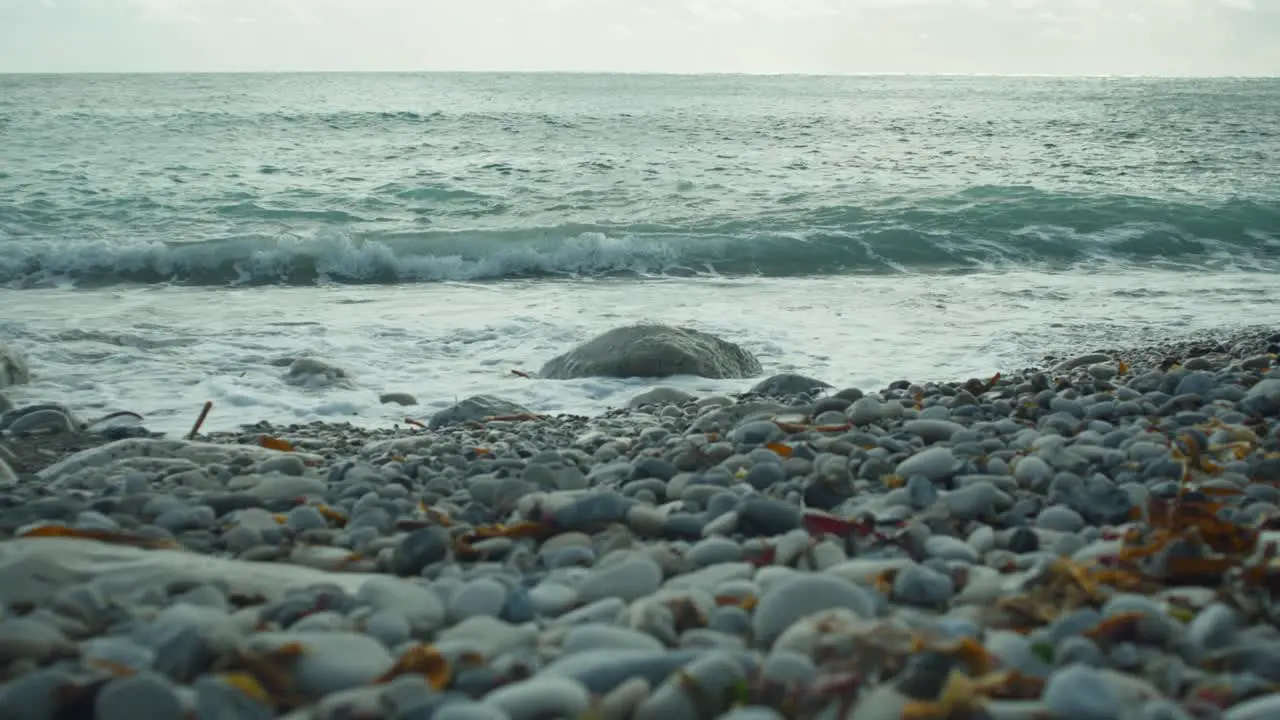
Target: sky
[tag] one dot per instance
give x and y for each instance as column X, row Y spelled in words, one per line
column 1052, row 37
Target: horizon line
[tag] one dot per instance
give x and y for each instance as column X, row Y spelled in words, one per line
column 657, row 73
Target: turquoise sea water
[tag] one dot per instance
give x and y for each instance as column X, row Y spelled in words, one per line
column 432, row 230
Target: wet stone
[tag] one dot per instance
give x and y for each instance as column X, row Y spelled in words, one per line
column 141, row 696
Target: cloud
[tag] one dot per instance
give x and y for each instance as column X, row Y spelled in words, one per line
column 173, row 11
column 838, row 36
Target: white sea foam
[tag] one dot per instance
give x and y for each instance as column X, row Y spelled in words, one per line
column 163, row 351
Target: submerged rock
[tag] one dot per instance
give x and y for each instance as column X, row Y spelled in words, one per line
column 653, row 351
column 787, row 385
column 309, row 371
column 13, row 367
column 474, row 409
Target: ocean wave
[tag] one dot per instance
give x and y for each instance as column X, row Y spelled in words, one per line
column 985, row 228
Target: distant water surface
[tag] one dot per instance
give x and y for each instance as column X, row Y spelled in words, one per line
column 162, row 238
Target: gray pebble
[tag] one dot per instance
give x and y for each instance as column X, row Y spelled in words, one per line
column 146, row 695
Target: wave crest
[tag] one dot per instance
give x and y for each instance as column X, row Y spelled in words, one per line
column 979, row 229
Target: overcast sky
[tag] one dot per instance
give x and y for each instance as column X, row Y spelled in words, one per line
column 1060, row 37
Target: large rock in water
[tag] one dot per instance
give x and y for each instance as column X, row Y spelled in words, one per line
column 13, row 366
column 653, row 351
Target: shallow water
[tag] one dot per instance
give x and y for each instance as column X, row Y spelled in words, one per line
column 163, row 351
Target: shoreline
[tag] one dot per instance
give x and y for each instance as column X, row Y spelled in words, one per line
column 1238, row 342
column 1038, row 521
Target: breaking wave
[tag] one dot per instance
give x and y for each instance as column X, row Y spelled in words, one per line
column 981, row 229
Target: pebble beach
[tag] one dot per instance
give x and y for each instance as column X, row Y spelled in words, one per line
column 1091, row 539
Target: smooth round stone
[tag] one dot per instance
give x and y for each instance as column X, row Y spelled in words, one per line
column 1068, row 545
column 329, row 662
column 117, row 651
column 933, row 431
column 1155, row 625
column 714, row 551
column 764, row 516
column 731, row 620
column 752, row 712
column 1066, row 405
column 606, row 610
column 958, row 627
column 204, row 595
column 785, row 667
column 652, row 467
column 89, row 519
column 603, row 670
column 324, row 621
column 976, row 500
column 945, row 547
column 1196, row 383
column 1080, row 692
column 568, row 557
column 1266, row 707
column 715, row 672
column 285, row 464
column 936, row 463
column 390, row 627
column 552, row 598
column 284, row 487
column 630, row 578
column 1023, row 540
column 467, row 710
column 146, row 695
column 1102, row 371
column 136, row 484
column 419, row 549
column 921, row 492
column 1015, row 653
column 707, row 639
column 1078, row 650
column 757, row 432
column 922, row 586
column 598, row 636
column 982, row 539
column 216, row 698
column 305, row 517
column 484, row 596
column 764, row 475
column 1060, row 518
column 1163, row 709
column 759, row 455
column 175, row 521
column 1214, row 627
column 541, row 697
column 936, row 412
column 622, row 701
column 882, row 702
column 661, row 395
column 422, row 607
column 801, row 594
column 28, row 638
column 865, row 410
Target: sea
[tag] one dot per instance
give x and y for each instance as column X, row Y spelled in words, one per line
column 166, row 239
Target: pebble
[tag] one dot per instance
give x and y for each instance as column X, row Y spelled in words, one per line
column 803, row 594
column 629, row 578
column 685, row 557
column 1083, row 692
column 922, row 586
column 541, row 697
column 141, row 696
